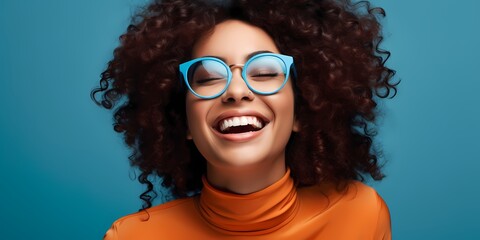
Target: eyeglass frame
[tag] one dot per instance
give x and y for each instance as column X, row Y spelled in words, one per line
column 287, row 61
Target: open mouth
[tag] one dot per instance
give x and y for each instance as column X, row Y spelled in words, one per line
column 235, row 125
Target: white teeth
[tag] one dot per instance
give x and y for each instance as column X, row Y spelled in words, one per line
column 240, row 121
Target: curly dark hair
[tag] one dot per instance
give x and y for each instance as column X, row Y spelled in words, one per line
column 341, row 76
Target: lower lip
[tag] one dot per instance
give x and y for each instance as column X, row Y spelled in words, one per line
column 239, row 137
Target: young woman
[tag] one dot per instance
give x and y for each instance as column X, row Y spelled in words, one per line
column 256, row 114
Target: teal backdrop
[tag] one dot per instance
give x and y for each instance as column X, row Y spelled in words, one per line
column 65, row 174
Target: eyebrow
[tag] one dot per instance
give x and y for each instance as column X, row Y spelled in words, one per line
column 256, row 53
column 246, row 58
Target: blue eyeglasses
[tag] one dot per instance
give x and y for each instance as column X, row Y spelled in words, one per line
column 264, row 73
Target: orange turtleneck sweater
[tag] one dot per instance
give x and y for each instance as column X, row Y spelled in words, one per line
column 280, row 211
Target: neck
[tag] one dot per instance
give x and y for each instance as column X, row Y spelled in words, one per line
column 245, row 179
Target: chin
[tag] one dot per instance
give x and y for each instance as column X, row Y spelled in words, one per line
column 245, row 157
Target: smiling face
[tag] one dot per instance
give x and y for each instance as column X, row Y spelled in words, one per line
column 239, row 128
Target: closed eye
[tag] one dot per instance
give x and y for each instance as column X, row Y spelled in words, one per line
column 265, row 75
column 207, row 80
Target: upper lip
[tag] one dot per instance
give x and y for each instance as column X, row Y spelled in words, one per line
column 239, row 113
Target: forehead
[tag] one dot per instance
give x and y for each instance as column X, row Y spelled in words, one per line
column 233, row 40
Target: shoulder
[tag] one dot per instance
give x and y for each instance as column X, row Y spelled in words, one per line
column 167, row 215
column 360, row 194
column 357, row 206
column 362, row 205
column 362, row 199
column 354, row 195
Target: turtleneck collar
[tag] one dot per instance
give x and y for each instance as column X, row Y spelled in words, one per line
column 259, row 212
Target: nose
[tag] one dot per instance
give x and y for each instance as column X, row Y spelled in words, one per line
column 237, row 90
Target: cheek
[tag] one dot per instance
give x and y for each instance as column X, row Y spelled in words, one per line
column 193, row 114
column 196, row 111
column 285, row 104
column 286, row 112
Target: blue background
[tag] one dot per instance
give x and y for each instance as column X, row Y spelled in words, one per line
column 65, row 174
